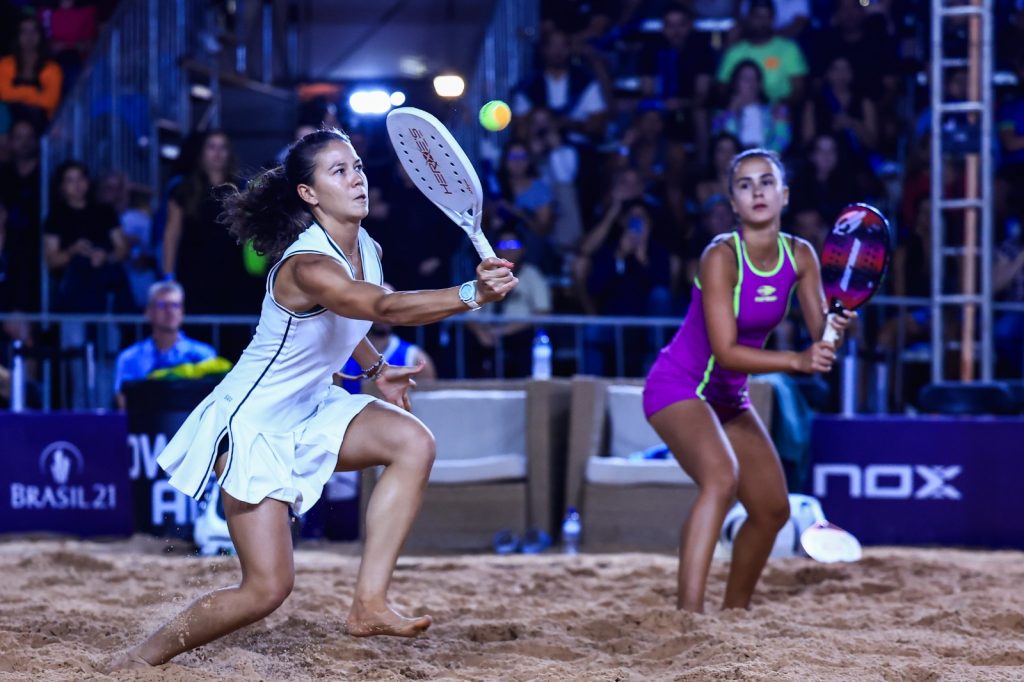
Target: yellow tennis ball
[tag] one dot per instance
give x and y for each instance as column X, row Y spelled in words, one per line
column 495, row 115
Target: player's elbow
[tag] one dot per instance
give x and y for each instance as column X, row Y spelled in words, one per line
column 397, row 320
column 726, row 358
column 728, row 363
column 387, row 310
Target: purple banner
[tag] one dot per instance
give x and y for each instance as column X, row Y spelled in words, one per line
column 64, row 473
column 922, row 480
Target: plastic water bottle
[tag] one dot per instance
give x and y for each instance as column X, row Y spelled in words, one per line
column 17, row 379
column 541, row 355
column 571, row 528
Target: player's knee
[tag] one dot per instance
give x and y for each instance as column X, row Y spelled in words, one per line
column 723, row 483
column 773, row 515
column 421, row 449
column 268, row 594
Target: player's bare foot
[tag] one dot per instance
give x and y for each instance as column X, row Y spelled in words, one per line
column 366, row 621
column 129, row 660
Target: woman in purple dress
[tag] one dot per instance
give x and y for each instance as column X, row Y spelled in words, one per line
column 696, row 394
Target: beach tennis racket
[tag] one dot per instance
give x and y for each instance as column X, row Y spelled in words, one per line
column 440, row 169
column 854, row 259
column 828, row 543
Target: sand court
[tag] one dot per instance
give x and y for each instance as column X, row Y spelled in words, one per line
column 899, row 614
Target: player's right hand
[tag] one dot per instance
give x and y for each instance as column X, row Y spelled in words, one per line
column 494, row 279
column 817, row 359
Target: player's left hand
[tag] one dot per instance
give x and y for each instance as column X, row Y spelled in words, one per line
column 395, row 381
column 841, row 322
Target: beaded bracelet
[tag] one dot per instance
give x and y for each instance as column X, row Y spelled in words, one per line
column 375, row 370
column 372, row 372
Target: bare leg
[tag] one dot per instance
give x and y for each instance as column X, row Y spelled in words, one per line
column 262, row 538
column 692, row 432
column 762, row 490
column 385, row 435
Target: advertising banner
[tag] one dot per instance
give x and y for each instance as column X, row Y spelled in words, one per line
column 64, row 473
column 922, row 480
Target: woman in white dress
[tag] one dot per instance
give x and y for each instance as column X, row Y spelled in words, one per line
column 276, row 427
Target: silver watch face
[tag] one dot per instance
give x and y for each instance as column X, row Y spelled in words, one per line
column 467, row 292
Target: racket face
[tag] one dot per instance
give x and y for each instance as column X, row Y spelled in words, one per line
column 855, row 256
column 437, row 165
column 828, row 543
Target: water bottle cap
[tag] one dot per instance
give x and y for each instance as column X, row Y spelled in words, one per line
column 572, row 510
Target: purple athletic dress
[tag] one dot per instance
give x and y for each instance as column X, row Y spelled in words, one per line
column 686, row 369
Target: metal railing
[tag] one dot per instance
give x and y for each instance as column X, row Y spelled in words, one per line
column 109, row 118
column 504, row 59
column 622, row 342
column 132, row 85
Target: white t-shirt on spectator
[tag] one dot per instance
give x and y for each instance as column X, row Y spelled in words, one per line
column 751, row 127
column 590, row 102
column 137, row 225
column 562, row 165
column 532, row 295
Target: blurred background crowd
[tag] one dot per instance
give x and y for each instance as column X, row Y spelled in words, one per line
column 604, row 191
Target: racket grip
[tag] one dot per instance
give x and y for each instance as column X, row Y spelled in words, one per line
column 830, row 335
column 482, row 246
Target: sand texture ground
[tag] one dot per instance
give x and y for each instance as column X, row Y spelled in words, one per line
column 66, row 606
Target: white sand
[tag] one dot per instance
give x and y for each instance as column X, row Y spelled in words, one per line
column 899, row 614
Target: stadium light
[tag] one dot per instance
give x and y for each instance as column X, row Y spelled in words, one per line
column 370, row 102
column 412, row 66
column 397, row 98
column 449, row 85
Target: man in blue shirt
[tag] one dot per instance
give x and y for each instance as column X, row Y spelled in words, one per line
column 167, row 347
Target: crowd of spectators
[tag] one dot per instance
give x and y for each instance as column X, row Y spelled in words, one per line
column 605, row 190
column 615, row 169
column 42, row 47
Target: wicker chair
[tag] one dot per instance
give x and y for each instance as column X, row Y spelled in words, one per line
column 500, row 460
column 623, row 503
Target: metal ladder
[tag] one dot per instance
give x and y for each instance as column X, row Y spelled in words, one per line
column 977, row 204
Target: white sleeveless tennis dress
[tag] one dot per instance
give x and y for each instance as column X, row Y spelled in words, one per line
column 283, row 418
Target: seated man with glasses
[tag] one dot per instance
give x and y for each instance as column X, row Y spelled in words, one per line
column 532, row 296
column 167, row 347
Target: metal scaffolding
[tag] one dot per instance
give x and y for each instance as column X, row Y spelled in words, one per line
column 977, row 204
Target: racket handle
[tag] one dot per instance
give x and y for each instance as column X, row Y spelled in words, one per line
column 483, row 247
column 830, row 335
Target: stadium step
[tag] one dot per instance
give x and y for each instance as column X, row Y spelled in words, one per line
column 961, row 107
column 961, row 203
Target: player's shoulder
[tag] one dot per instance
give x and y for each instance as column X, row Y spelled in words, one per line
column 804, row 254
column 312, row 269
column 721, row 246
column 720, row 259
column 304, row 260
column 800, row 246
column 793, row 241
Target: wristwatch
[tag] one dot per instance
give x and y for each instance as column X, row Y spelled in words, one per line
column 467, row 293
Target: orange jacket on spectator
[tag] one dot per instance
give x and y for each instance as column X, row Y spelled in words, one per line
column 46, row 96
